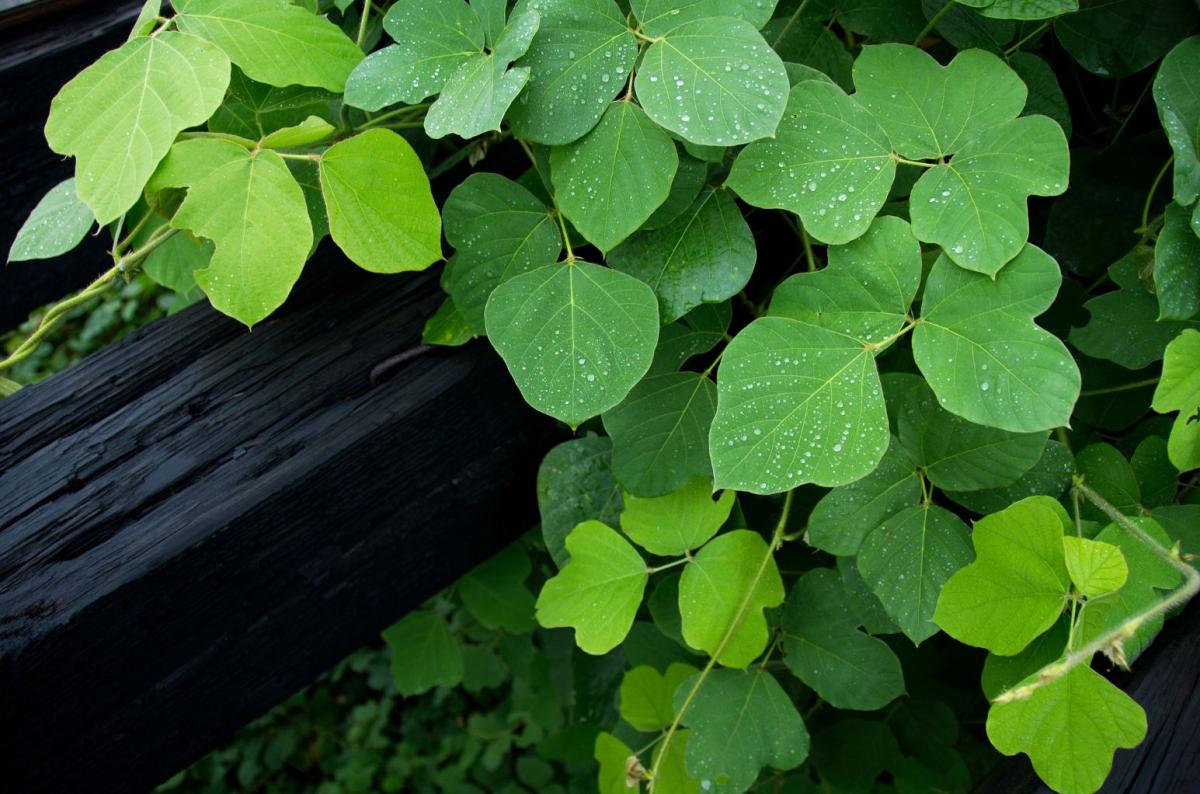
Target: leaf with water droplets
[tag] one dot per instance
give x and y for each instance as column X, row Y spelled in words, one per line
column 57, row 224
column 1178, row 101
column 713, row 81
column 612, row 179
column 699, row 331
column 1179, row 390
column 1177, row 266
column 576, row 337
column 1022, row 9
column 845, row 515
column 1050, row 476
column 658, row 17
column 679, row 522
column 982, row 353
column 830, row 163
column 575, row 484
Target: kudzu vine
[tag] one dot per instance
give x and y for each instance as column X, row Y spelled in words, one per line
column 794, row 465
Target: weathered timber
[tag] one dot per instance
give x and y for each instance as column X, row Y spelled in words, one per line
column 197, row 521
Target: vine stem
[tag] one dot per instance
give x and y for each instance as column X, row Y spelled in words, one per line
column 362, row 23
column 776, row 539
column 1123, row 387
column 1112, row 640
column 897, row 158
column 1026, row 39
column 1150, row 196
column 933, row 23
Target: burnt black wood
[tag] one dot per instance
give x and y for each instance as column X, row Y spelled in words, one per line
column 198, row 521
column 42, row 46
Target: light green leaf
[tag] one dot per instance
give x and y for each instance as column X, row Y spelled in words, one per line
column 120, row 115
column 424, row 653
column 611, row 180
column 1179, row 390
column 57, row 224
column 433, row 38
column 480, row 91
column 1177, row 266
column 824, row 648
column 491, row 15
column 613, row 755
column 713, row 81
column 845, row 515
column 1178, row 99
column 866, row 290
column 982, row 353
column 740, row 723
column 383, row 231
column 1017, row 586
column 658, row 17
column 830, row 163
column 500, row 230
column 230, row 189
column 672, row 774
column 1050, row 476
column 1096, row 568
column 495, row 593
column 576, row 337
column 306, row 133
column 906, row 561
column 706, row 255
column 579, row 61
column 598, row 592
column 797, row 403
column 147, row 19
column 678, row 522
column 575, row 484
column 447, row 326
column 732, row 570
column 1117, row 38
column 647, row 697
column 1069, row 728
column 252, row 110
column 274, row 42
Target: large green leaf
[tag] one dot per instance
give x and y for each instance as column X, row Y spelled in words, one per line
column 57, row 224
column 1177, row 266
column 1046, row 96
column 982, row 353
column 660, row 432
column 830, row 163
column 612, row 179
column 678, row 522
column 797, row 403
column 1179, row 390
column 432, row 39
column 424, row 653
column 273, row 41
column 1018, row 584
column 120, row 115
column 1070, row 729
column 705, row 255
column 229, row 190
column 723, row 591
column 494, row 591
column 657, row 17
column 907, row 559
column 500, row 230
column 579, row 61
column 1178, row 100
column 647, row 697
column 384, row 231
column 741, row 722
column 598, row 592
column 576, row 336
column 1116, row 38
column 713, row 81
column 1050, row 476
column 575, row 484
column 824, row 648
column 839, row 522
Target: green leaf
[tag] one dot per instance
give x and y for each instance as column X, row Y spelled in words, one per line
column 230, row 189
column 862, row 602
column 1177, row 266
column 611, row 180
column 500, row 230
column 432, row 39
column 982, row 353
column 908, row 559
column 657, row 17
column 447, row 326
column 306, row 133
column 1179, row 390
column 1096, row 568
column 713, row 81
column 579, row 61
column 689, row 180
column 1178, row 102
column 1109, row 474
column 723, row 590
column 824, row 648
column 495, row 593
column 648, row 697
column 706, row 255
column 613, row 755
column 1002, row 673
column 174, row 263
column 809, row 42
column 576, row 337
column 1070, row 729
column 57, row 224
column 598, row 592
column 830, row 163
column 491, row 15
column 797, row 403
column 274, row 42
column 675, row 524
column 866, row 290
column 1025, row 9
column 480, row 91
column 424, row 653
column 253, row 110
column 672, row 774
column 1045, row 94
column 1117, row 38
column 1050, row 476
column 839, row 522
column 575, row 484
column 383, row 231
column 147, row 19
column 740, row 723
column 965, row 28
column 1017, row 586
column 699, row 331
column 101, row 118
column 851, row 753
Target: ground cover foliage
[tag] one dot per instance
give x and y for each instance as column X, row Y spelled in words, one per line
column 877, row 325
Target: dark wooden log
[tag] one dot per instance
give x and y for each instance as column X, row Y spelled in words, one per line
column 198, row 521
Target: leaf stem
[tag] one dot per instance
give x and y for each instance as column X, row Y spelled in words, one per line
column 1123, row 387
column 881, row 344
column 673, row 564
column 362, row 23
column 1026, row 39
column 391, row 114
column 1150, row 196
column 897, row 158
column 566, row 238
column 933, row 23
column 809, row 258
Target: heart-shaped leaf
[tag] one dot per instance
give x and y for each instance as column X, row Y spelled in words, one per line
column 678, row 522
